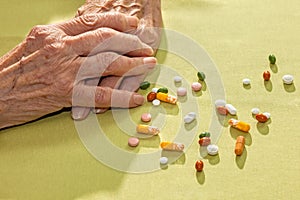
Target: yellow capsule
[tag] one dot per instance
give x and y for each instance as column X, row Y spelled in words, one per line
column 146, row 129
column 166, row 98
column 242, row 126
column 172, row 146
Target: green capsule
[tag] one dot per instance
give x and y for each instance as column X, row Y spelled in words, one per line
column 144, row 85
column 272, row 59
column 163, row 90
column 204, row 134
column 201, row 76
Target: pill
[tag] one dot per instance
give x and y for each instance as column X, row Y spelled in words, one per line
column 181, row 91
column 147, row 129
column 220, row 102
column 151, row 96
column 133, row 142
column 172, row 146
column 204, row 141
column 146, row 117
column 144, row 85
column 199, row 165
column 231, row 109
column 212, row 149
column 201, row 76
column 204, row 134
column 266, row 75
column 287, row 79
column 255, row 111
column 261, row 118
column 272, row 59
column 240, row 125
column 177, row 79
column 246, row 81
column 222, row 110
column 163, row 90
column 166, row 98
column 163, row 160
column 239, row 145
column 191, row 116
column 156, row 102
column 154, row 90
column 268, row 115
column 196, row 86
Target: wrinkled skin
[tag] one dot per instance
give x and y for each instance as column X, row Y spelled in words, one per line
column 149, row 14
column 49, row 69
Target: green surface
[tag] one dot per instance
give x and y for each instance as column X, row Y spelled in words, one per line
column 46, row 159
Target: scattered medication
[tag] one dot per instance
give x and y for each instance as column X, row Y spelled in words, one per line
column 212, row 149
column 166, row 98
column 261, row 118
column 201, row 76
column 246, row 81
column 272, row 59
column 146, row 129
column 177, row 79
column 204, row 134
column 154, row 90
column 172, row 146
column 151, row 96
column 156, row 102
column 204, row 141
column 266, row 75
column 222, row 110
column 199, row 165
column 268, row 115
column 196, row 86
column 240, row 125
column 181, row 91
column 255, row 111
column 191, row 116
column 220, row 102
column 288, row 79
column 144, row 85
column 163, row 160
column 231, row 109
column 163, row 90
column 133, row 142
column 239, row 145
column 146, row 117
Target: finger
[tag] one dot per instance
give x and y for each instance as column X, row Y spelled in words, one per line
column 132, row 83
column 105, row 64
column 90, row 22
column 106, row 39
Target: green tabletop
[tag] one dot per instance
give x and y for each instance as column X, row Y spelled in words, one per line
column 47, row 159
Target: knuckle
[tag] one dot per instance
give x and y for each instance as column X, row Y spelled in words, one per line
column 89, row 20
column 103, row 96
column 107, row 59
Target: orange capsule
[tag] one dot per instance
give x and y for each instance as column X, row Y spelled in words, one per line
column 199, row 165
column 266, row 75
column 151, row 96
column 222, row 110
column 205, row 141
column 172, row 146
column 261, row 118
column 239, row 145
column 166, row 98
column 242, row 126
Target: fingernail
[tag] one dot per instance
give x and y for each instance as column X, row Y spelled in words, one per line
column 150, row 62
column 132, row 21
column 80, row 113
column 138, row 99
column 99, row 110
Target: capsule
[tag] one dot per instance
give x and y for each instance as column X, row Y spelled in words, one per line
column 242, row 126
column 199, row 165
column 261, row 118
column 222, row 110
column 239, row 145
column 166, row 98
column 172, row 146
column 205, row 141
column 146, row 129
column 151, row 96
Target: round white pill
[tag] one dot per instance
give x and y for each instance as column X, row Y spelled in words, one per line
column 231, row 109
column 154, row 90
column 181, row 91
column 288, row 79
column 255, row 111
column 246, row 81
column 163, row 160
column 268, row 115
column 191, row 116
column 212, row 149
column 156, row 102
column 177, row 79
column 220, row 103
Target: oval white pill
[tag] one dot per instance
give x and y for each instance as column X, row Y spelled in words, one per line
column 156, row 102
column 255, row 111
column 268, row 115
column 231, row 109
column 191, row 116
column 220, row 103
column 212, row 149
column 177, row 79
column 246, row 81
column 181, row 91
column 154, row 90
column 163, row 160
column 288, row 79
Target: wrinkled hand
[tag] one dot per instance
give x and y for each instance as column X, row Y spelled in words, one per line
column 49, row 70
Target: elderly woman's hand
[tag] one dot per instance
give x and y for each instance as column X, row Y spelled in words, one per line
column 49, row 70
